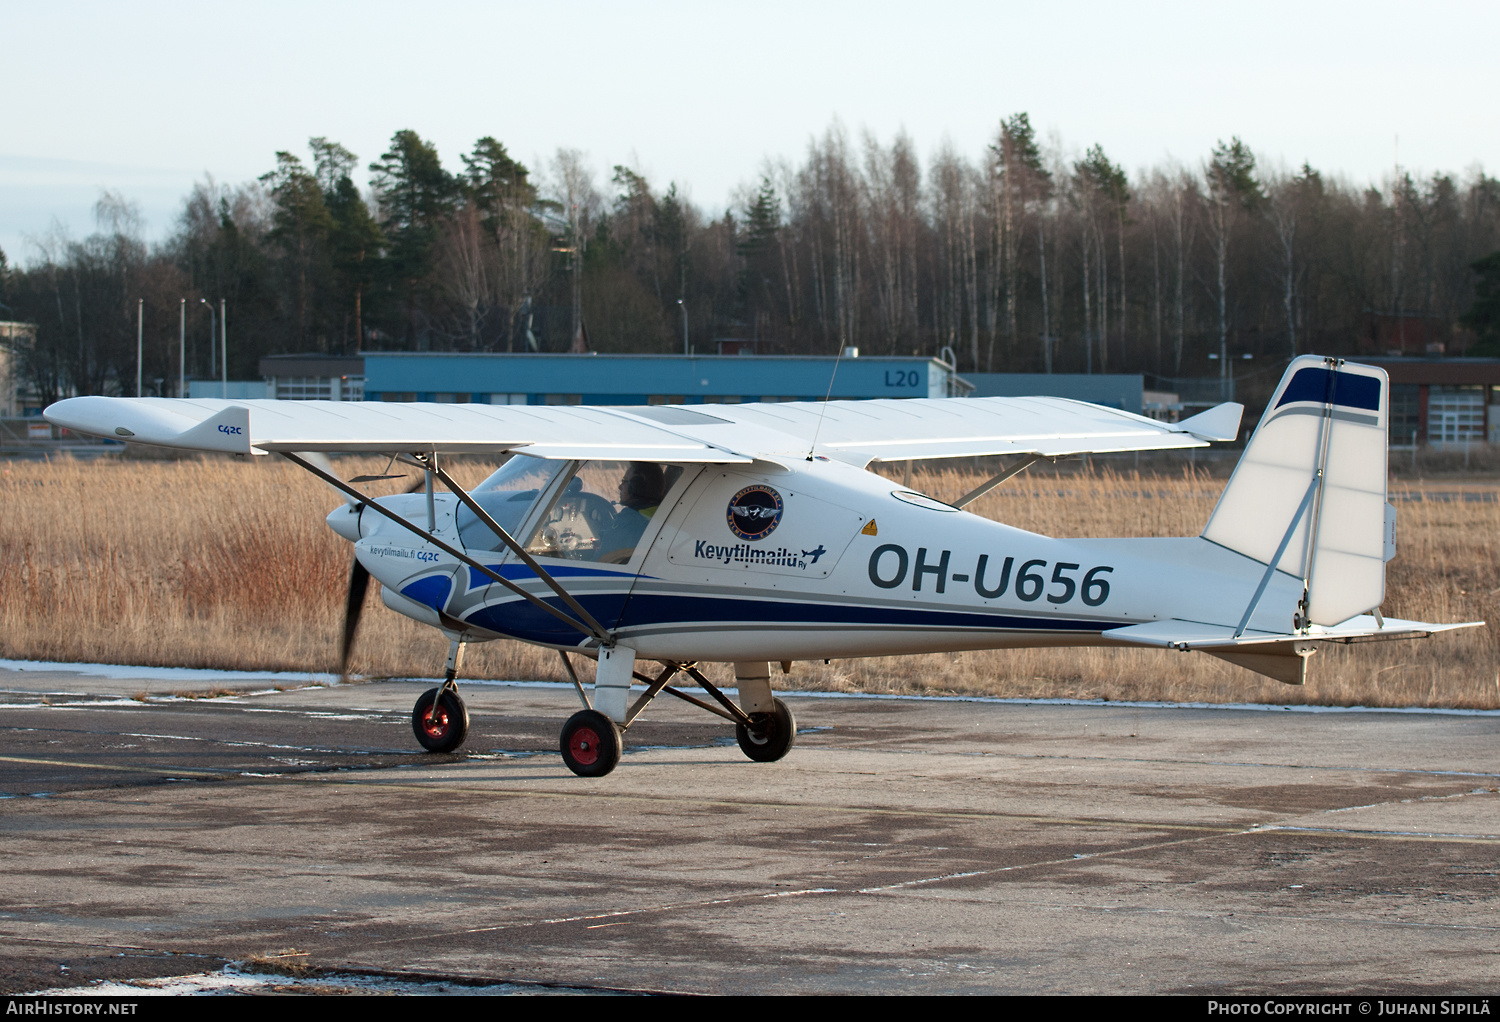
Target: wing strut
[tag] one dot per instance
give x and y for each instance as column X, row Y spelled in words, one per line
column 332, row 480
column 994, row 481
column 430, row 462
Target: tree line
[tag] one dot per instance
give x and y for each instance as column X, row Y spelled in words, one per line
column 1020, row 258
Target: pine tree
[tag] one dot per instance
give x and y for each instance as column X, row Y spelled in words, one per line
column 414, row 194
column 1483, row 316
column 301, row 229
column 1232, row 191
column 356, row 243
column 757, row 247
column 501, row 190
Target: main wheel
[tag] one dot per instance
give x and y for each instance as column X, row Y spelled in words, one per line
column 591, row 744
column 442, row 728
column 771, row 736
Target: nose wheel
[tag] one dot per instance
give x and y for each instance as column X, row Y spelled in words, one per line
column 440, row 720
column 591, row 744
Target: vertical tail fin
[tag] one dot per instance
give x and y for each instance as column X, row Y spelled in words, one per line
column 1312, row 485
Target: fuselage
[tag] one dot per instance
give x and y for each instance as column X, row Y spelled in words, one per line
column 803, row 560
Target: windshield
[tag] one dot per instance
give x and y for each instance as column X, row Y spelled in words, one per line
column 603, row 512
column 506, row 496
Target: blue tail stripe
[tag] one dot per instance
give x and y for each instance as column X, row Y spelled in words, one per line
column 1348, row 390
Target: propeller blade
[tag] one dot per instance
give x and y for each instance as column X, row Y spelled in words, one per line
column 354, row 605
column 321, row 460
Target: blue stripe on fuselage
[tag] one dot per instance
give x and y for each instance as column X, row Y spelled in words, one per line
column 513, row 572
column 431, row 591
column 525, row 621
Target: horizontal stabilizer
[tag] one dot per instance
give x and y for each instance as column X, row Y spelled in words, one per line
column 1282, row 656
column 1175, row 634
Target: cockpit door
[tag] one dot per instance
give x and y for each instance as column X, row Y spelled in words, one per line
column 588, row 525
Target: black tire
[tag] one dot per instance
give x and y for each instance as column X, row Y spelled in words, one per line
column 444, row 729
column 773, row 736
column 591, row 744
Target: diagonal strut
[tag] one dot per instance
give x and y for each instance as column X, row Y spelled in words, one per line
column 333, row 480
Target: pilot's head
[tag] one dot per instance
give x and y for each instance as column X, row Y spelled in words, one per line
column 643, row 485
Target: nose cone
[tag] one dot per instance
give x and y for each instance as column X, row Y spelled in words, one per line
column 345, row 522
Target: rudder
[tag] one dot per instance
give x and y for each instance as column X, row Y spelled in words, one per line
column 1318, row 456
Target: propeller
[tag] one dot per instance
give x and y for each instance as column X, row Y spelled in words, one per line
column 354, row 603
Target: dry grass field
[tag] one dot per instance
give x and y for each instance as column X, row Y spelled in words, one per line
column 227, row 564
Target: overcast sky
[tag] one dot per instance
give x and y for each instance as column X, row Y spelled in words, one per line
column 146, row 97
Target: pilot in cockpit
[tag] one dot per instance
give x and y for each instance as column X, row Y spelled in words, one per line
column 642, row 488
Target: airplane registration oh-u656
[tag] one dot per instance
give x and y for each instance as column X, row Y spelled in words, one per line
column 754, row 535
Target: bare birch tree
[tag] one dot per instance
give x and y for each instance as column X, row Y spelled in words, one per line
column 573, row 190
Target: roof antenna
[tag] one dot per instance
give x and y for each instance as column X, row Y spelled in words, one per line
column 819, row 428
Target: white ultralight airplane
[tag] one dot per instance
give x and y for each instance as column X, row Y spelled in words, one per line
column 752, row 534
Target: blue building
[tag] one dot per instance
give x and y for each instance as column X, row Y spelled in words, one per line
column 593, row 379
column 1125, row 391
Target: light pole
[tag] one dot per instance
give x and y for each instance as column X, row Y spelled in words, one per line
column 223, row 352
column 140, row 337
column 683, row 307
column 213, row 329
column 182, row 349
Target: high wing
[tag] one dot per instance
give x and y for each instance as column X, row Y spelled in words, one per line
column 264, row 426
column 855, row 432
column 859, row 432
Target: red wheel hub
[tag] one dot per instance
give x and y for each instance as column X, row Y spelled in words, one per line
column 435, row 723
column 584, row 745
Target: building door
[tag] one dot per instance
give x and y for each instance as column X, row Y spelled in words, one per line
column 1455, row 416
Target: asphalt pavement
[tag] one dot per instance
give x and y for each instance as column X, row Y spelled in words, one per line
column 904, row 846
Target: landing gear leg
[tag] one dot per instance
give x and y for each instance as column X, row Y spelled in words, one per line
column 440, row 719
column 591, row 741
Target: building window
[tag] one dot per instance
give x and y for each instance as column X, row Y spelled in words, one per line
column 1406, row 413
column 303, row 388
column 1455, row 414
column 564, row 399
column 396, row 395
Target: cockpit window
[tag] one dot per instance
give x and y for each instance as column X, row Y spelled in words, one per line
column 603, row 511
column 506, row 496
